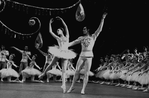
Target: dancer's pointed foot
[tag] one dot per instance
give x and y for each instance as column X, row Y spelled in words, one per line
column 70, row 89
column 64, row 88
column 82, row 92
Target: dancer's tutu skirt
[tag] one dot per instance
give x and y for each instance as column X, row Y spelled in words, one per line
column 55, row 71
column 65, row 54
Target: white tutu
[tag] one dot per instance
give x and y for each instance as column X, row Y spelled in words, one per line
column 12, row 72
column 55, row 71
column 34, row 71
column 114, row 75
column 66, row 54
column 27, row 71
column 4, row 73
column 144, row 79
column 83, row 72
column 70, row 72
column 107, row 74
column 100, row 73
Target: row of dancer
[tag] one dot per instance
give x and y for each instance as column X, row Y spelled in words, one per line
column 28, row 70
column 129, row 70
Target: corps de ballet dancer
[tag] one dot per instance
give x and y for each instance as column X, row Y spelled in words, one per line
column 3, row 56
column 61, row 51
column 25, row 56
column 86, row 55
column 9, row 72
column 30, row 70
column 54, row 72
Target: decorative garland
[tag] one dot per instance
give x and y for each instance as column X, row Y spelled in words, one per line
column 15, row 34
column 29, row 9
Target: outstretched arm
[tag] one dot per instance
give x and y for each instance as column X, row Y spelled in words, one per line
column 51, row 31
column 17, row 49
column 37, row 65
column 77, row 41
column 65, row 26
column 14, row 64
column 97, row 32
column 43, row 53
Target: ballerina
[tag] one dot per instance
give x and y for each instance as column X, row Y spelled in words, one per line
column 9, row 72
column 31, row 71
column 3, row 54
column 25, row 56
column 60, row 51
column 86, row 55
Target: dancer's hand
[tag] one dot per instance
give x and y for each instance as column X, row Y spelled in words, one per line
column 59, row 18
column 104, row 15
column 51, row 20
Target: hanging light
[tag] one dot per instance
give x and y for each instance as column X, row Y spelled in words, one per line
column 32, row 22
column 80, row 13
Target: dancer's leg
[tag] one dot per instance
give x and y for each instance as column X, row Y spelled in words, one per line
column 64, row 66
column 76, row 76
column 88, row 64
column 54, row 60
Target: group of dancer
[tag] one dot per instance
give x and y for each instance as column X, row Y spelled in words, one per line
column 60, row 51
column 129, row 70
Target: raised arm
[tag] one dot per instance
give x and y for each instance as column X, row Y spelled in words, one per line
column 17, row 49
column 51, row 31
column 97, row 32
column 65, row 26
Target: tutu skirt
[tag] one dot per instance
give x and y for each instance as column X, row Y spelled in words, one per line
column 31, row 71
column 55, row 71
column 70, row 72
column 83, row 72
column 8, row 72
column 4, row 73
column 65, row 54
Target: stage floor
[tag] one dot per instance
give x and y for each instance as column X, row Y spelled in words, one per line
column 53, row 90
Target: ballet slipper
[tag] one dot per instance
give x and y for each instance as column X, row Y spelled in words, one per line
column 146, row 90
column 70, row 90
column 82, row 92
column 64, row 88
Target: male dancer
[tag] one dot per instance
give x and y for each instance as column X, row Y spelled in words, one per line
column 86, row 56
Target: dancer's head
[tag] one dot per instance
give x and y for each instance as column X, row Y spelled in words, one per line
column 11, row 56
column 60, row 32
column 85, row 31
column 26, row 48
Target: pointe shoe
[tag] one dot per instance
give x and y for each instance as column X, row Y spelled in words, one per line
column 64, row 88
column 82, row 92
column 70, row 90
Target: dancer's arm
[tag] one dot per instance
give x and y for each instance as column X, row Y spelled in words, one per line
column 97, row 32
column 17, row 49
column 37, row 65
column 14, row 64
column 43, row 53
column 51, row 31
column 77, row 41
column 65, row 26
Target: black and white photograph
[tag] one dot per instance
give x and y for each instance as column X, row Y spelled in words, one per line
column 74, row 49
